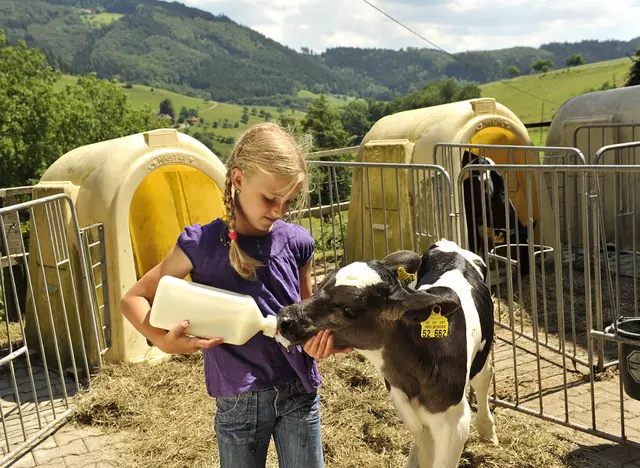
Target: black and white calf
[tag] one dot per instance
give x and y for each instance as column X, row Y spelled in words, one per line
column 490, row 186
column 428, row 363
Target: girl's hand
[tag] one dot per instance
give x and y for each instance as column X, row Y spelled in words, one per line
column 321, row 345
column 175, row 341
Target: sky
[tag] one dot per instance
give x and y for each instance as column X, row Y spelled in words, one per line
column 454, row 25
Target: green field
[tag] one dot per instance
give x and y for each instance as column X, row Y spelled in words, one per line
column 555, row 86
column 101, row 19
column 210, row 111
column 334, row 101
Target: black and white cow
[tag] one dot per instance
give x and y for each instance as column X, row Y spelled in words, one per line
column 370, row 309
column 490, row 185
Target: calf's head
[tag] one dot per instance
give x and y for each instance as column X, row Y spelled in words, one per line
column 363, row 303
column 491, row 186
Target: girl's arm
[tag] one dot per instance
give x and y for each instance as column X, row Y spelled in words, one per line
column 136, row 305
column 305, row 281
column 321, row 345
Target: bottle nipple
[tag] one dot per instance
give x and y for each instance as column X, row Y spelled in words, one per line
column 271, row 327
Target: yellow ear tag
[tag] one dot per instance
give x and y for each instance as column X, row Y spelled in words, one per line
column 436, row 326
column 499, row 239
column 405, row 277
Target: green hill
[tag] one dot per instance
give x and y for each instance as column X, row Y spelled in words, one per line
column 190, row 51
column 223, row 115
column 556, row 87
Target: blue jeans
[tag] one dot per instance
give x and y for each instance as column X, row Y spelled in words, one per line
column 244, row 424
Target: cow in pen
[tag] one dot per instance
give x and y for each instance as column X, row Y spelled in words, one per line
column 493, row 226
column 428, row 343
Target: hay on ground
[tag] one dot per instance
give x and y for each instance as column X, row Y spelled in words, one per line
column 170, row 414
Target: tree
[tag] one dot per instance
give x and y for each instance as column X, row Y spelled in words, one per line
column 633, row 77
column 513, row 71
column 39, row 125
column 288, row 122
column 323, row 123
column 355, row 120
column 27, row 116
column 166, row 107
column 542, row 65
column 574, row 60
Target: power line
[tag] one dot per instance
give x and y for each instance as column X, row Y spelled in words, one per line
column 454, row 57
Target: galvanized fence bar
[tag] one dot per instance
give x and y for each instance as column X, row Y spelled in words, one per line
column 617, row 202
column 315, row 155
column 44, row 349
column 450, row 156
column 94, row 248
column 602, row 134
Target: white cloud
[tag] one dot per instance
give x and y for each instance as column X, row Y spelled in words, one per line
column 455, row 25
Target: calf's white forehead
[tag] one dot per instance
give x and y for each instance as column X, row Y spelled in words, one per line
column 357, row 274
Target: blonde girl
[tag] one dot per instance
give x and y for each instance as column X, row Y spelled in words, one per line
column 261, row 389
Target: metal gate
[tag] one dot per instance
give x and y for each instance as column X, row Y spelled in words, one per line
column 55, row 330
column 387, row 207
column 552, row 345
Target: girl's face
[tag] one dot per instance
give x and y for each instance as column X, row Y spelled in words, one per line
column 260, row 201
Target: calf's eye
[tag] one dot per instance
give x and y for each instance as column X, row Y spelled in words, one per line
column 348, row 312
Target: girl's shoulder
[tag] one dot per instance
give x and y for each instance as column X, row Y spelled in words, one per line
column 202, row 233
column 200, row 241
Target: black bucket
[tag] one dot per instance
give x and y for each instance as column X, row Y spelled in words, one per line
column 629, row 328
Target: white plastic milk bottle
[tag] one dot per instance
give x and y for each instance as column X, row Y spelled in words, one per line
column 212, row 312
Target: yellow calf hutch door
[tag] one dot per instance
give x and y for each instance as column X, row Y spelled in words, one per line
column 171, row 197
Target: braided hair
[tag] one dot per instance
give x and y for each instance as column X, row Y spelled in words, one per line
column 266, row 148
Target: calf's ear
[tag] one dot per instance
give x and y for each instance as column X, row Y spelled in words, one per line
column 419, row 306
column 404, row 264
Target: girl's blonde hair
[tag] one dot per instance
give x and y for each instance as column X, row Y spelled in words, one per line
column 269, row 149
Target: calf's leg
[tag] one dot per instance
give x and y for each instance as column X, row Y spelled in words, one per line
column 484, row 419
column 421, row 452
column 449, row 431
column 420, row 455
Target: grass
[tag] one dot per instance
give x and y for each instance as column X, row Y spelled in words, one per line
column 555, row 86
column 210, row 111
column 101, row 19
column 334, row 100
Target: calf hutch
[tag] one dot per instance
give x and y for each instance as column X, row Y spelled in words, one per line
column 401, row 204
column 142, row 189
column 605, row 127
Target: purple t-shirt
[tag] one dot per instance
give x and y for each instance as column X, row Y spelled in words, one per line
column 261, row 362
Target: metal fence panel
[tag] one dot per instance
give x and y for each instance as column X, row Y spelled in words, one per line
column 547, row 362
column 590, row 137
column 451, row 155
column 44, row 347
column 358, row 210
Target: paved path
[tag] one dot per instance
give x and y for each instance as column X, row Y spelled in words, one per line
column 75, row 446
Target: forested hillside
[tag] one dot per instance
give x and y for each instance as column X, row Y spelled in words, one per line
column 187, row 50
column 168, row 45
